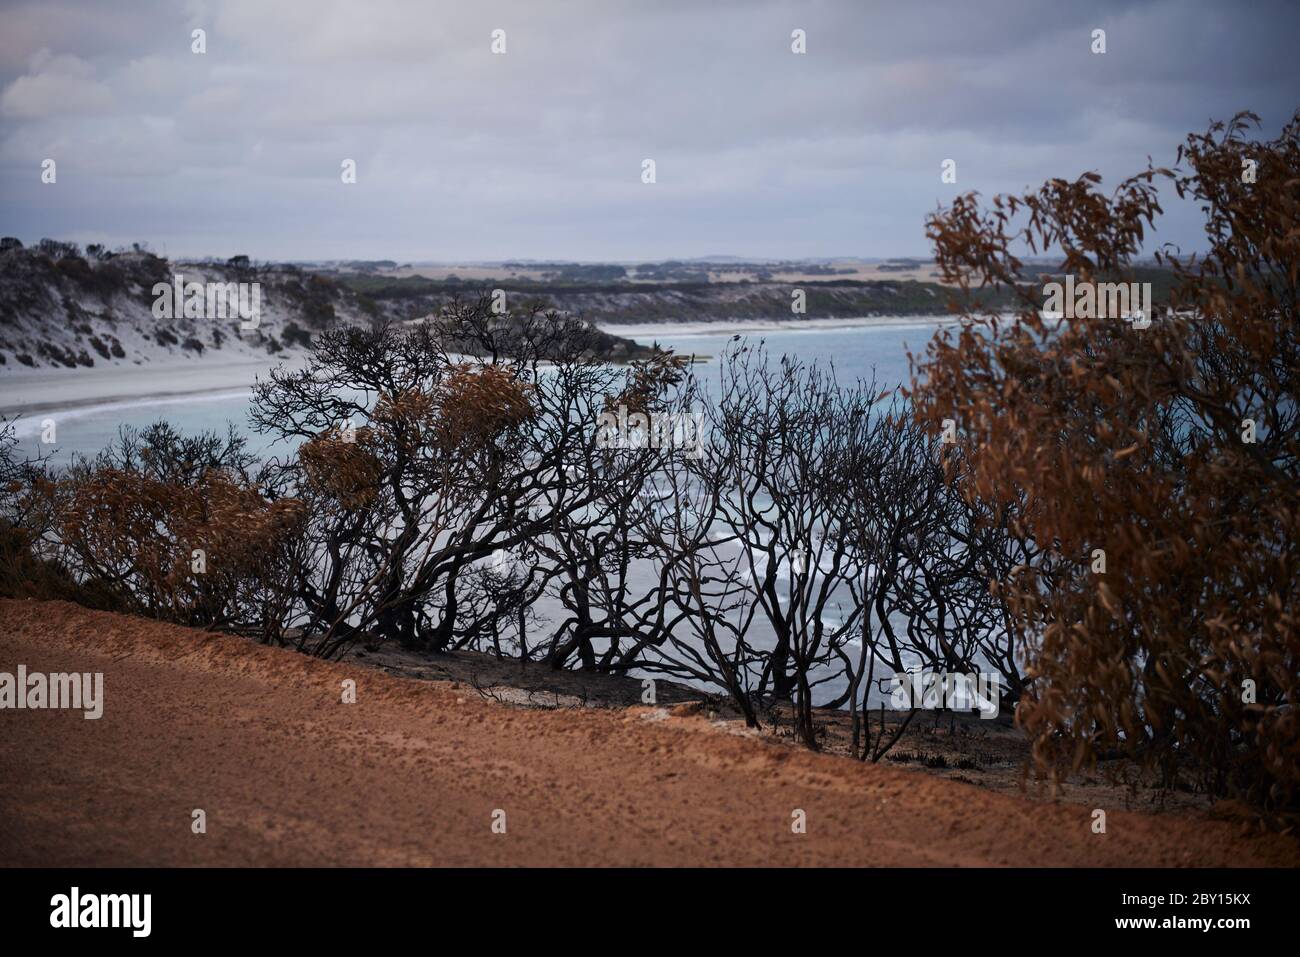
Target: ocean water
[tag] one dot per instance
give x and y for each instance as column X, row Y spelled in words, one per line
column 878, row 351
column 86, row 431
column 853, row 352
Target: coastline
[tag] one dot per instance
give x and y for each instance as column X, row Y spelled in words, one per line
column 731, row 327
column 28, row 392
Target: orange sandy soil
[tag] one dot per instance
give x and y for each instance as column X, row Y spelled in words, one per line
column 411, row 774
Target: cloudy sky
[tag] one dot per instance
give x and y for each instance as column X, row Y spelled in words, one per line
column 463, row 154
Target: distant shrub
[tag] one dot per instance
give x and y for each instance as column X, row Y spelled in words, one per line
column 76, row 269
column 319, row 314
column 27, row 575
column 56, row 250
column 295, row 335
column 65, row 357
column 368, row 305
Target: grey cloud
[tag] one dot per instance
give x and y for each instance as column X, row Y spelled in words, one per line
column 465, row 155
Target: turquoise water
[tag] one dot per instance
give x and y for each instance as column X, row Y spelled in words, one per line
column 853, row 353
column 87, row 431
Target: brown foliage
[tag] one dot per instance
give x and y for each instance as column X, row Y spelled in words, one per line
column 478, row 404
column 136, row 534
column 343, row 466
column 26, row 574
column 1100, row 435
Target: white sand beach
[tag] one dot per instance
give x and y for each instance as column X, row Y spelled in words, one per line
column 648, row 331
column 27, row 391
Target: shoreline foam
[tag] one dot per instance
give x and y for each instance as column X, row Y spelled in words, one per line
column 731, row 327
column 28, row 392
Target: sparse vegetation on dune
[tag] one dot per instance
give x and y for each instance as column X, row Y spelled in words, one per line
column 65, row 307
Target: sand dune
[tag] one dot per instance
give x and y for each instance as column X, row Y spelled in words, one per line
column 412, row 773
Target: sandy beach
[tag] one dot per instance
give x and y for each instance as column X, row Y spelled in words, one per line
column 648, row 331
column 27, row 391
column 24, row 392
column 415, row 773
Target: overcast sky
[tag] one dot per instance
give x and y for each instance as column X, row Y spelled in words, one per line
column 463, row 154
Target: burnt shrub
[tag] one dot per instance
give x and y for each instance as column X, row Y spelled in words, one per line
column 176, row 524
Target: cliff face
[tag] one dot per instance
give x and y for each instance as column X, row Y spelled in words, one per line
column 58, row 308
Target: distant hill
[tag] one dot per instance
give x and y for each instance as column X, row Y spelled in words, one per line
column 827, row 296
column 700, row 301
column 61, row 306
